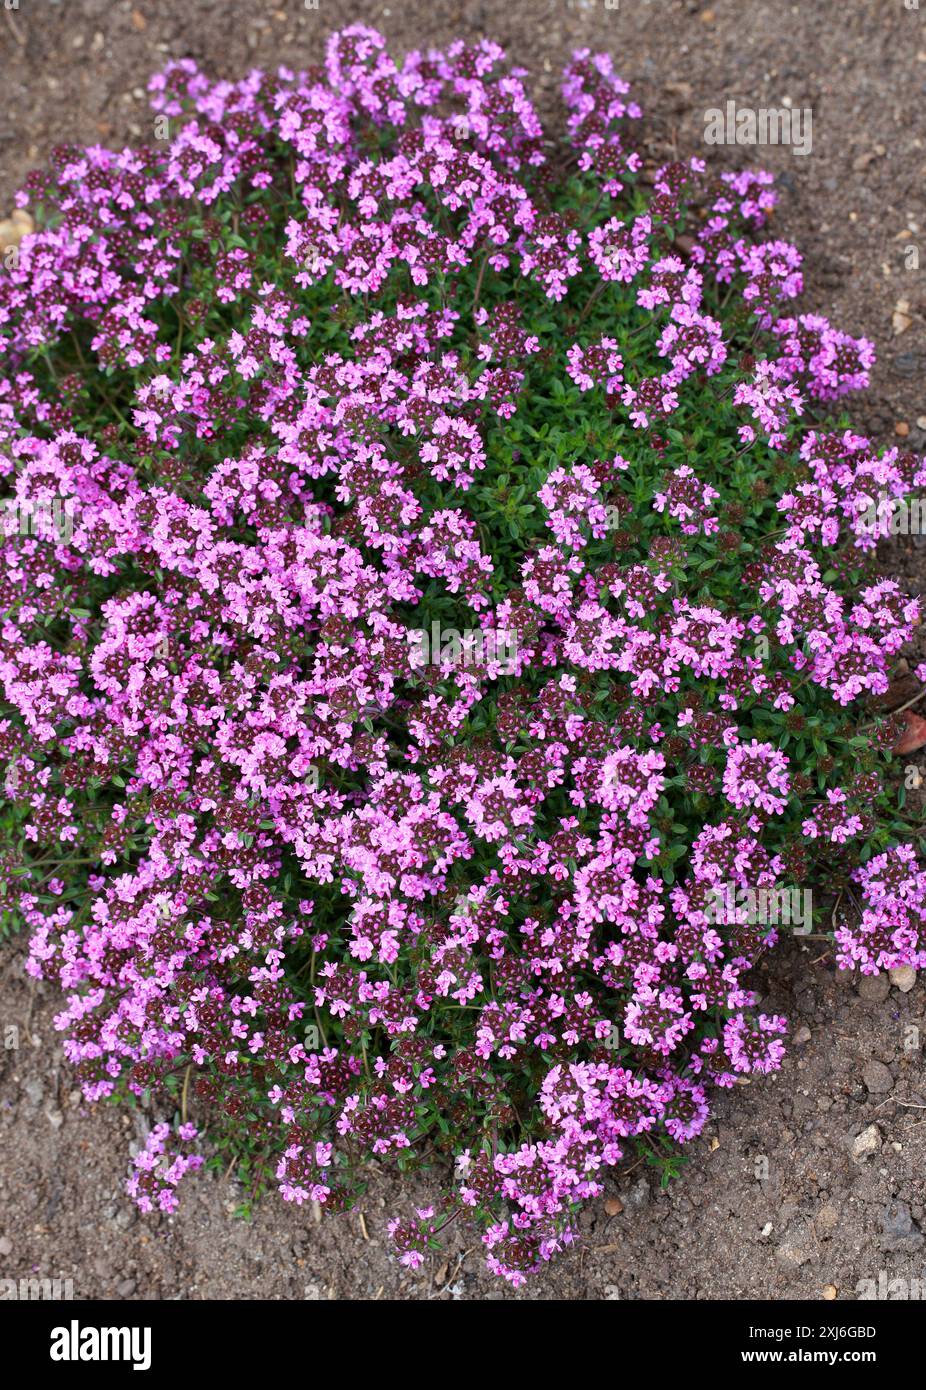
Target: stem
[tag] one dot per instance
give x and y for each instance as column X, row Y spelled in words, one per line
column 482, row 271
column 595, row 294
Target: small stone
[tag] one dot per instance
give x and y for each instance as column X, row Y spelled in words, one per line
column 897, row 1219
column 874, row 989
column 829, row 1292
column 866, row 1143
column 901, row 319
column 906, row 364
column 899, row 1231
column 126, row 1288
column 902, row 429
column 6, row 1246
column 791, row 1255
column 903, row 978
column 827, row 1218
column 792, row 1250
column 877, row 1078
column 802, row 1036
column 614, row 1206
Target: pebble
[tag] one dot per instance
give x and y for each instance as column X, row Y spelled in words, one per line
column 899, row 1231
column 903, row 978
column 900, row 319
column 126, row 1288
column 877, row 1077
column 802, row 1036
column 792, row 1250
column 906, row 364
column 827, row 1218
column 614, row 1206
column 866, row 1143
column 874, row 989
column 6, row 1246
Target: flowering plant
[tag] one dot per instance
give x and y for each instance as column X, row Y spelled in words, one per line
column 456, row 606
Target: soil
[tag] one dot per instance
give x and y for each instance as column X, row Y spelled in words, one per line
column 778, row 1200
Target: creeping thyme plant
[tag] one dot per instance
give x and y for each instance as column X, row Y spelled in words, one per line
column 451, row 584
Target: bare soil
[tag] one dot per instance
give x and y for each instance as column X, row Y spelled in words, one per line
column 772, row 1204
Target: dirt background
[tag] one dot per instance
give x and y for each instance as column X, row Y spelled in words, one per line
column 776, row 1201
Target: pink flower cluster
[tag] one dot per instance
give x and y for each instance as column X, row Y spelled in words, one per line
column 372, row 884
column 890, row 934
column 160, row 1165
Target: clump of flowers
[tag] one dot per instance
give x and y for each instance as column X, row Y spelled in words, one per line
column 890, row 932
column 160, row 1165
column 454, row 601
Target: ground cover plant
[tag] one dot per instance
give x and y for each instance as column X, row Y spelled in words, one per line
column 437, row 623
